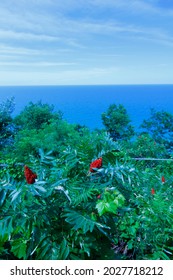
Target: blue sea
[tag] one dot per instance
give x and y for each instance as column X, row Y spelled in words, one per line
column 84, row 104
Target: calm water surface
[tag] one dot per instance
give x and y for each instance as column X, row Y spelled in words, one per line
column 84, row 104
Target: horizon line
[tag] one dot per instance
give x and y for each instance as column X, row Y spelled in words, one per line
column 75, row 85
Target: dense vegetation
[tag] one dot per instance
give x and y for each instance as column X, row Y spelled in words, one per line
column 70, row 193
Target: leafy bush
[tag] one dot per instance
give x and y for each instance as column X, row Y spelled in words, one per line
column 120, row 208
column 71, row 213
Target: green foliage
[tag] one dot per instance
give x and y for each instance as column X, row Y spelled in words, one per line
column 83, row 222
column 123, row 210
column 160, row 127
column 64, row 215
column 117, row 122
column 11, row 167
column 54, row 136
column 110, row 202
column 6, row 131
column 34, row 116
column 145, row 147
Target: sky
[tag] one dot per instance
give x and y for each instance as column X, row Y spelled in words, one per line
column 86, row 42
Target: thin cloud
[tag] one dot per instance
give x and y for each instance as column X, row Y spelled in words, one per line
column 110, row 28
column 83, row 76
column 36, row 64
column 26, row 36
column 5, row 49
column 90, row 38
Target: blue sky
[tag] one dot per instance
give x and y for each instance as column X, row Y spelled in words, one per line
column 74, row 42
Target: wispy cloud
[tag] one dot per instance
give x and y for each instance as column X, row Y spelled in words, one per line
column 83, row 76
column 161, row 7
column 23, row 36
column 36, row 64
column 84, row 39
column 64, row 28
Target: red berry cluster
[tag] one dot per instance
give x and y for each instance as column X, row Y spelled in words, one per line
column 29, row 175
column 96, row 164
column 152, row 191
column 163, row 179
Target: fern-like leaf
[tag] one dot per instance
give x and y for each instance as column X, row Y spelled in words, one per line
column 83, row 222
column 84, row 195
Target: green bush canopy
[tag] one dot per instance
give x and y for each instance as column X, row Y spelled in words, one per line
column 68, row 193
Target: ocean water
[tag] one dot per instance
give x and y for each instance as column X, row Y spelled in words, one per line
column 84, row 104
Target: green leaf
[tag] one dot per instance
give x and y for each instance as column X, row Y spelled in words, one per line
column 109, row 157
column 15, row 194
column 2, row 196
column 47, row 250
column 19, row 248
column 130, row 244
column 106, row 207
column 80, row 221
column 6, row 228
column 40, row 188
column 63, row 250
column 84, row 195
column 110, row 203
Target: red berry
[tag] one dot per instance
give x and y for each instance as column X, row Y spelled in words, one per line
column 29, row 175
column 163, row 179
column 96, row 164
column 152, row 191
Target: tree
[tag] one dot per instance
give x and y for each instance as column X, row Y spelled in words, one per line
column 145, row 147
column 160, row 128
column 34, row 116
column 6, row 127
column 52, row 136
column 117, row 122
